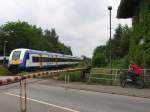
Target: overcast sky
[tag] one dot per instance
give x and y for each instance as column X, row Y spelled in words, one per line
column 81, row 24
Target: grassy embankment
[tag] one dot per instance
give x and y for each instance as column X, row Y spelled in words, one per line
column 4, row 71
column 73, row 76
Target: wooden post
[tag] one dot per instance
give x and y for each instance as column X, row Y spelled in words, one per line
column 85, row 73
column 23, row 95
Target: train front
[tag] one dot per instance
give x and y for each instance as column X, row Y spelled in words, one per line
column 16, row 60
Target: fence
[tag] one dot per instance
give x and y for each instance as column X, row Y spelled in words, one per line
column 112, row 75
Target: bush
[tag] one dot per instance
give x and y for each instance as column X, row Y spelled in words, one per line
column 98, row 60
column 146, row 59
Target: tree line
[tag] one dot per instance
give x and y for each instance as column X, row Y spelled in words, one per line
column 24, row 35
column 120, row 45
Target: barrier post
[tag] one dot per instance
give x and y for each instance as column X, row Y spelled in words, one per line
column 23, row 95
column 21, row 108
column 85, row 72
column 65, row 82
column 68, row 79
column 65, row 79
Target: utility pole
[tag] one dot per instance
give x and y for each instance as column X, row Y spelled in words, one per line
column 5, row 42
column 110, row 52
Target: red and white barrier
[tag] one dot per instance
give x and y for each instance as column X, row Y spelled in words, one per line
column 34, row 75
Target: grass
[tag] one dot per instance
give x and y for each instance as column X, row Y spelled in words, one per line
column 98, row 73
column 73, row 76
column 104, row 74
column 4, row 71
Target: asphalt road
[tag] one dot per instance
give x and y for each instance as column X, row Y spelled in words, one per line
column 49, row 98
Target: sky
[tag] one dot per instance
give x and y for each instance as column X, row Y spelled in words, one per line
column 81, row 24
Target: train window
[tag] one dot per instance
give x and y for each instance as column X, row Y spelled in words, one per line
column 51, row 59
column 66, row 60
column 16, row 54
column 44, row 59
column 35, row 59
column 47, row 59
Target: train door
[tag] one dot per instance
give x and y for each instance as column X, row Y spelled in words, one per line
column 40, row 61
column 56, row 60
column 27, row 60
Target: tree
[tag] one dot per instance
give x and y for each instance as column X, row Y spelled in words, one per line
column 51, row 37
column 99, row 57
column 119, row 47
column 23, row 35
column 120, row 42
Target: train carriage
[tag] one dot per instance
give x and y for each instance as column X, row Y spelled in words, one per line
column 23, row 59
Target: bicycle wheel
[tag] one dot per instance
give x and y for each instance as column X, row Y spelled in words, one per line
column 123, row 83
column 139, row 84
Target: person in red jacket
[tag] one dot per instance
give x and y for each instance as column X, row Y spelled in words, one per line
column 134, row 70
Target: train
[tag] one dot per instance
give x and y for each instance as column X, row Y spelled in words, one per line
column 29, row 59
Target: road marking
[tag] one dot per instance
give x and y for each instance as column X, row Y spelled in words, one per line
column 42, row 102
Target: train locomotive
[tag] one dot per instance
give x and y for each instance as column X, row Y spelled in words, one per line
column 28, row 59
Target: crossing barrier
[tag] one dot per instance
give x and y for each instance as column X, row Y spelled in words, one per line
column 38, row 74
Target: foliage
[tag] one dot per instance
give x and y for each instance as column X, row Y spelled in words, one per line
column 98, row 59
column 23, row 35
column 4, row 71
column 86, row 61
column 120, row 42
column 146, row 59
column 119, row 48
column 140, row 39
column 126, row 8
column 132, row 43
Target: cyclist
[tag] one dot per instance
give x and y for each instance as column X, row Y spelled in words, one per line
column 134, row 70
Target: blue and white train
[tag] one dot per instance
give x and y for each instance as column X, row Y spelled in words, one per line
column 23, row 59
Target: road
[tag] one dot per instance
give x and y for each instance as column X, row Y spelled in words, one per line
column 50, row 98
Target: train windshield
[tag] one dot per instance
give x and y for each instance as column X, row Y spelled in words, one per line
column 16, row 54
